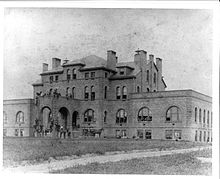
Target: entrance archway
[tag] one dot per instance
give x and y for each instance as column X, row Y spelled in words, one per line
column 46, row 117
column 74, row 119
column 63, row 116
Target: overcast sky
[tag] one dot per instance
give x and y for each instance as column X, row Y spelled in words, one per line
column 182, row 38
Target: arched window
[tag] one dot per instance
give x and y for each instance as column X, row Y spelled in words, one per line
column 144, row 114
column 155, row 77
column 105, row 116
column 138, row 89
column 73, row 92
column 147, row 76
column 118, row 92
column 92, row 93
column 173, row 114
column 68, row 91
column 105, row 92
column 89, row 115
column 204, row 116
column 124, row 92
column 68, row 74
column 20, row 117
column 200, row 115
column 121, row 116
column 195, row 114
column 5, row 117
column 86, row 92
column 74, row 73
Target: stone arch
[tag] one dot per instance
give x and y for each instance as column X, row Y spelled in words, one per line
column 46, row 117
column 63, row 117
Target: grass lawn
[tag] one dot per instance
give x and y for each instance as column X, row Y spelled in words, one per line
column 178, row 164
column 16, row 150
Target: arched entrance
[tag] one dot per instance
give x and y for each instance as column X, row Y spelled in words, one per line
column 63, row 116
column 74, row 119
column 46, row 117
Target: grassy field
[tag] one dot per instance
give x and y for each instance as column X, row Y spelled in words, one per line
column 16, row 150
column 178, row 164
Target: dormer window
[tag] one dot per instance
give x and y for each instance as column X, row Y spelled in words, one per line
column 92, row 75
column 121, row 71
column 51, row 79
column 56, row 78
column 86, row 76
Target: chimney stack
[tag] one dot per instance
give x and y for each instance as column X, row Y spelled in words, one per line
column 151, row 57
column 140, row 58
column 45, row 67
column 111, row 59
column 56, row 62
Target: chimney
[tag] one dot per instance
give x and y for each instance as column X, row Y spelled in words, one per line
column 140, row 58
column 151, row 57
column 56, row 62
column 111, row 59
column 45, row 67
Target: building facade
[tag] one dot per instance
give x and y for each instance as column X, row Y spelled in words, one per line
column 94, row 97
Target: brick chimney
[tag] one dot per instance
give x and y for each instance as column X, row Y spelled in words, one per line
column 140, row 58
column 56, row 62
column 45, row 67
column 111, row 59
column 151, row 57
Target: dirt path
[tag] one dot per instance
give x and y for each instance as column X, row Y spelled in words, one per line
column 50, row 165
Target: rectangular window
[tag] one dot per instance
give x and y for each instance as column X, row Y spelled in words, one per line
column 196, row 135
column 147, row 76
column 204, row 136
column 51, row 79
column 123, row 133
column 4, row 132
column 86, row 76
column 56, row 78
column 106, row 75
column 140, row 134
column 16, row 132
column 21, row 132
column 92, row 75
column 92, row 96
column 168, row 134
column 148, row 134
column 208, row 139
column 118, row 133
column 177, row 134
column 200, row 136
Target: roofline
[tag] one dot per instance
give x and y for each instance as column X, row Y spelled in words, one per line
column 75, row 64
column 97, row 68
column 163, row 82
column 37, row 84
column 52, row 72
column 122, row 77
column 125, row 66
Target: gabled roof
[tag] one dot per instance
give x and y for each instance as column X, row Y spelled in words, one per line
column 132, row 65
column 90, row 61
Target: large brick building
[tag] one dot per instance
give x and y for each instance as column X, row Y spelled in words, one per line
column 97, row 97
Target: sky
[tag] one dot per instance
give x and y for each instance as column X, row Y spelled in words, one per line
column 182, row 38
